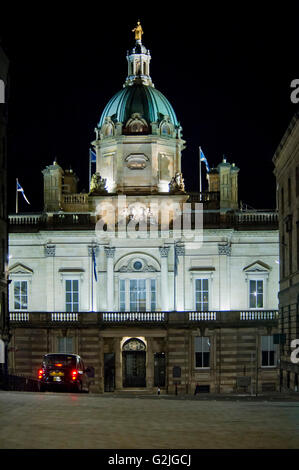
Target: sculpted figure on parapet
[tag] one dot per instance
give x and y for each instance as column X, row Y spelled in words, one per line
column 97, row 184
column 177, row 183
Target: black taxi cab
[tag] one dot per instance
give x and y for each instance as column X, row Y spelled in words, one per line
column 63, row 371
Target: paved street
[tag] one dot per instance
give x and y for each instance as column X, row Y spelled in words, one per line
column 31, row 420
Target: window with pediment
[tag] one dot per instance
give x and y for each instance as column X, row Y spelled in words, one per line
column 136, row 124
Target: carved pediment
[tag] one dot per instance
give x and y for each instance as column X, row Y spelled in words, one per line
column 20, row 268
column 257, row 267
column 137, row 263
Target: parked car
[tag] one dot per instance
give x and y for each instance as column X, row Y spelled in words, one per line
column 63, row 371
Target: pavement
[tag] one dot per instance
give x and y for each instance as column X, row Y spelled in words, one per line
column 32, row 420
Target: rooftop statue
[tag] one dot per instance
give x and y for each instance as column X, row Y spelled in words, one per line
column 177, row 183
column 97, row 184
column 138, row 31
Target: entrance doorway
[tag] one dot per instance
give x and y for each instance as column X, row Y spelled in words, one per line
column 134, row 363
column 109, row 372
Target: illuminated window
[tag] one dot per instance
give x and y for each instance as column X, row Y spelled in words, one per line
column 201, row 295
column 65, row 345
column 20, row 295
column 202, row 351
column 72, row 295
column 137, row 295
column 269, row 352
column 256, row 294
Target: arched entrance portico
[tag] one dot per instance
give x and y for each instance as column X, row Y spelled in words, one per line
column 134, row 363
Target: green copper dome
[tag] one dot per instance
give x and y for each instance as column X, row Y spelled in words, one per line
column 142, row 99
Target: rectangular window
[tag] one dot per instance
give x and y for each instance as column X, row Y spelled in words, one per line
column 202, row 351
column 137, row 295
column 65, row 345
column 256, row 294
column 20, row 295
column 153, row 295
column 72, row 295
column 122, row 295
column 201, row 295
column 269, row 351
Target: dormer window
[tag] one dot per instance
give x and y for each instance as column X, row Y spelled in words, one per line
column 108, row 128
column 136, row 125
column 166, row 127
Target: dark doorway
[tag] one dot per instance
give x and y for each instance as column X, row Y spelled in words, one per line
column 159, row 369
column 134, row 369
column 109, row 372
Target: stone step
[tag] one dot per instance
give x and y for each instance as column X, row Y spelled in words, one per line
column 137, row 391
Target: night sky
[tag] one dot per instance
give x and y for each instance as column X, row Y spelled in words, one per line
column 226, row 72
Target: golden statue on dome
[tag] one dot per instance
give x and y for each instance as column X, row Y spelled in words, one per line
column 138, row 31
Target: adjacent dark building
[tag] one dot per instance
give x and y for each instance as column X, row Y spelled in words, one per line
column 286, row 161
column 4, row 316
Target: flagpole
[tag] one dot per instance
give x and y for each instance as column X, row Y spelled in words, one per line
column 17, row 200
column 92, row 269
column 200, row 184
column 89, row 169
column 174, row 275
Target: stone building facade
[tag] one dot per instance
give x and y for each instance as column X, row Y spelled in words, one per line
column 286, row 161
column 151, row 285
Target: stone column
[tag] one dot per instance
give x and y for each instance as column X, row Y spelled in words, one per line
column 110, row 278
column 224, row 252
column 180, row 298
column 149, row 364
column 50, row 251
column 118, row 364
column 164, row 278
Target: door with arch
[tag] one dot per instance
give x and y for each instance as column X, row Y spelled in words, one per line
column 134, row 363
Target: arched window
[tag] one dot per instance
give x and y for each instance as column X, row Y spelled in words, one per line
column 136, row 124
column 165, row 129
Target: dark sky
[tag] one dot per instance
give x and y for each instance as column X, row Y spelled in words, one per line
column 226, row 71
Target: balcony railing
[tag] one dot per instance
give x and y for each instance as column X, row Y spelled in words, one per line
column 256, row 217
column 134, row 316
column 259, row 315
column 25, row 219
column 54, row 318
column 75, row 199
column 202, row 316
column 64, row 317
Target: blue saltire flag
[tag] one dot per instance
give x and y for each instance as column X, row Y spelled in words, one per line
column 94, row 262
column 21, row 190
column 203, row 159
column 93, row 156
